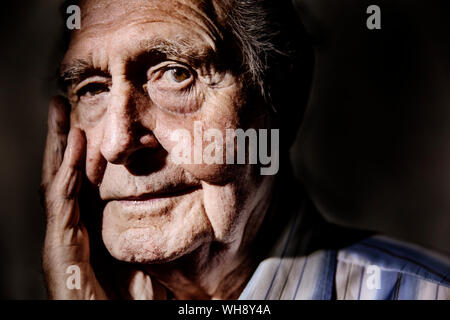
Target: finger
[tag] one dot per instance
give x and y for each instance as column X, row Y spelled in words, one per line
column 67, row 181
column 140, row 286
column 58, row 128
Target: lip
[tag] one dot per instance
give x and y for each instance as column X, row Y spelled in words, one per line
column 158, row 195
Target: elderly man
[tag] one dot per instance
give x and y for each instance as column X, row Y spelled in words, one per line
column 136, row 72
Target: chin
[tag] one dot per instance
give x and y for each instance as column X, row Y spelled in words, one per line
column 147, row 238
column 147, row 246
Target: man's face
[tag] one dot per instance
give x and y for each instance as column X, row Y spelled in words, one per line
column 141, row 70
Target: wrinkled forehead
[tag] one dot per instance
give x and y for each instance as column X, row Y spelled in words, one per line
column 109, row 27
column 98, row 14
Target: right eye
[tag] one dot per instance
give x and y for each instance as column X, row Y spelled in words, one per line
column 92, row 89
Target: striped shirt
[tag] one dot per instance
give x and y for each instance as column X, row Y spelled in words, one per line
column 374, row 267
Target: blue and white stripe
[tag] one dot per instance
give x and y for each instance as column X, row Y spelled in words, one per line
column 376, row 268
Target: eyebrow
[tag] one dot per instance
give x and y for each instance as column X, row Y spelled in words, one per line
column 154, row 49
column 76, row 71
column 182, row 48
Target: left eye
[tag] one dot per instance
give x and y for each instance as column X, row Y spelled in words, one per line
column 179, row 74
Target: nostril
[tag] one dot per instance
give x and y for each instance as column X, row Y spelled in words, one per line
column 146, row 161
column 149, row 140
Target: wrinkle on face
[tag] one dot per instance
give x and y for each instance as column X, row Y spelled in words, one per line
column 115, row 38
column 104, row 17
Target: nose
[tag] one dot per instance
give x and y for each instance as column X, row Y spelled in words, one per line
column 124, row 131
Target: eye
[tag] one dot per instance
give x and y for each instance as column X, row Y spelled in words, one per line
column 178, row 74
column 173, row 87
column 92, row 89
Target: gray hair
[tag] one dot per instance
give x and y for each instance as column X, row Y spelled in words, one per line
column 275, row 55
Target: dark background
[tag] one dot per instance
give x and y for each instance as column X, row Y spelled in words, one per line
column 373, row 150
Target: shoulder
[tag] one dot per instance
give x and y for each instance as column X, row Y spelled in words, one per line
column 379, row 267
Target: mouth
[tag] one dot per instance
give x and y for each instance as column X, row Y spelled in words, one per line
column 157, row 195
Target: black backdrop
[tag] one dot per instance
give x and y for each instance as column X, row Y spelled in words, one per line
column 374, row 149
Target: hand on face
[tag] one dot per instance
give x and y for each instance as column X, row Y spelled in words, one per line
column 66, row 251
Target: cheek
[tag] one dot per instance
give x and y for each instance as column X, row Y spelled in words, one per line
column 199, row 146
column 220, row 207
column 95, row 162
column 214, row 174
column 229, row 206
